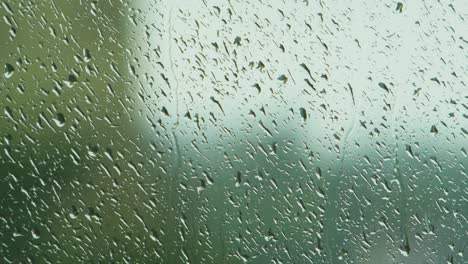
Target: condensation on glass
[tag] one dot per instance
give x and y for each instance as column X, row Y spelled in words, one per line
column 233, row 131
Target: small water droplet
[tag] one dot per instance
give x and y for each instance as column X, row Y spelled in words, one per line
column 73, row 212
column 71, row 80
column 399, row 7
column 237, row 41
column 9, row 70
column 283, row 78
column 35, row 233
column 87, row 55
column 92, row 150
column 303, row 113
column 59, row 120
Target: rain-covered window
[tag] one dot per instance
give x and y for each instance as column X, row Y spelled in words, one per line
column 206, row 131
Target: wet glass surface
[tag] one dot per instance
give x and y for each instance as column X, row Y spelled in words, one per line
column 233, row 131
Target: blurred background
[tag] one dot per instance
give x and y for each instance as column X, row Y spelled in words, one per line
column 233, row 131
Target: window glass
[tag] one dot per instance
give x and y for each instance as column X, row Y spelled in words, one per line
column 233, row 131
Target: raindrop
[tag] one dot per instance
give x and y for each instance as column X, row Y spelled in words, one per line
column 303, row 113
column 283, row 78
column 399, row 7
column 9, row 70
column 71, row 80
column 59, row 120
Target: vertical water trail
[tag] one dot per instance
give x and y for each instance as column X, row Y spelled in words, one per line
column 176, row 147
column 333, row 193
column 405, row 247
